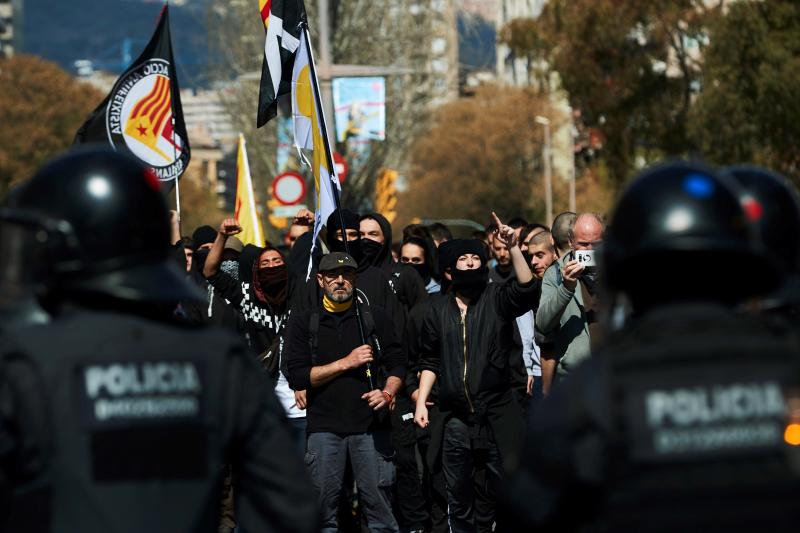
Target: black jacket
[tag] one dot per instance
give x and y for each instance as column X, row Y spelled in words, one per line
column 337, row 406
column 487, row 329
column 477, row 388
column 116, row 422
column 677, row 422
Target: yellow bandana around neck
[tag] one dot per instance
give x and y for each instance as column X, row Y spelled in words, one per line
column 335, row 307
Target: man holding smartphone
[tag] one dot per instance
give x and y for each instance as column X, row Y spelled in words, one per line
column 568, row 304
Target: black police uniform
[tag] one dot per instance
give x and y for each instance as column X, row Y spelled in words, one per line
column 113, row 417
column 656, row 433
column 113, row 423
column 679, row 421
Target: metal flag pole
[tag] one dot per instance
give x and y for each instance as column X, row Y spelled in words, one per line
column 336, row 201
column 174, row 131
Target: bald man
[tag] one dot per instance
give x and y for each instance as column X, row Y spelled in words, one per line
column 567, row 309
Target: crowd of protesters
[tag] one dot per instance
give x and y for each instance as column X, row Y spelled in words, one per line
column 501, row 382
column 408, row 405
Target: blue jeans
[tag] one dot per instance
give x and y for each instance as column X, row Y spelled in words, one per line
column 371, row 457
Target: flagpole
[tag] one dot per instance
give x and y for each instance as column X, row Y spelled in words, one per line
column 323, row 127
column 174, row 131
column 175, row 155
column 336, row 201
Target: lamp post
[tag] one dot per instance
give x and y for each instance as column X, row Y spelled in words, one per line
column 548, row 175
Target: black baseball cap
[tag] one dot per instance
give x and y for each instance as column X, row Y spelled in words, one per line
column 335, row 260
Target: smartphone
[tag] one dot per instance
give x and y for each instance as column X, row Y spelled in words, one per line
column 585, row 257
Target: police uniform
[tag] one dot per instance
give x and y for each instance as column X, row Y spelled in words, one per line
column 114, row 418
column 123, row 423
column 679, row 423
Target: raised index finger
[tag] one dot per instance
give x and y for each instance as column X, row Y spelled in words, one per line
column 497, row 220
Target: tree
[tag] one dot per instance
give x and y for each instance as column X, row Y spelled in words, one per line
column 748, row 109
column 41, row 108
column 630, row 66
column 481, row 154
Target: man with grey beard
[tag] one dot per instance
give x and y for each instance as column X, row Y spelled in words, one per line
column 352, row 373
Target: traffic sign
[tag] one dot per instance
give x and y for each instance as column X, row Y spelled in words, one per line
column 289, row 188
column 342, row 168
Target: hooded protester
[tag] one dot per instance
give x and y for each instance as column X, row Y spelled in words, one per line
column 465, row 348
column 418, row 254
column 259, row 293
column 214, row 309
column 259, row 289
column 376, row 250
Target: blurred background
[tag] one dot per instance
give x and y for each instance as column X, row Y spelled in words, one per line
column 444, row 109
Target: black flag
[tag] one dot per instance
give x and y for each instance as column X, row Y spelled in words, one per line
column 143, row 115
column 282, row 20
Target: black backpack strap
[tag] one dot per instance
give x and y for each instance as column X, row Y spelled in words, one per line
column 313, row 335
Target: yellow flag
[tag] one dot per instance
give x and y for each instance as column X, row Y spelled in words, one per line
column 309, row 134
column 246, row 214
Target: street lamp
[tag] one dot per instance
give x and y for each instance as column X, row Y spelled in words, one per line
column 548, row 176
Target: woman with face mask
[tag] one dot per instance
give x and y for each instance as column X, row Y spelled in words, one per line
column 260, row 293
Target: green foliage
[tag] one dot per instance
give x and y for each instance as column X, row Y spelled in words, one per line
column 749, row 110
column 629, row 66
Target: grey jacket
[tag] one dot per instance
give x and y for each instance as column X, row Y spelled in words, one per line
column 561, row 315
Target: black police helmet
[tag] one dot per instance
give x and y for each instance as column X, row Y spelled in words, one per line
column 104, row 226
column 679, row 232
column 772, row 203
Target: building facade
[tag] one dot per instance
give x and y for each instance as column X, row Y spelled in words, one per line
column 10, row 18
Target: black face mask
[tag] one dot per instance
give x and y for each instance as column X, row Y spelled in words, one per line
column 423, row 270
column 370, row 250
column 337, row 245
column 470, row 283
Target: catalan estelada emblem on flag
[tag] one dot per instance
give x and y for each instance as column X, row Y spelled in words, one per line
column 148, row 128
column 142, row 114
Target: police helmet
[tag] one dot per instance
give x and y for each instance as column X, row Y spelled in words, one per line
column 679, row 232
column 102, row 227
column 772, row 203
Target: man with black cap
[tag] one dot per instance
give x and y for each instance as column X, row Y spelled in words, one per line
column 687, row 418
column 466, row 340
column 113, row 417
column 373, row 287
column 348, row 359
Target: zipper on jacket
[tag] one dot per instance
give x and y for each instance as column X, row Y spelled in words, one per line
column 464, row 338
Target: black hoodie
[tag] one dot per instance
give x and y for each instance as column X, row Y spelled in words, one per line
column 404, row 280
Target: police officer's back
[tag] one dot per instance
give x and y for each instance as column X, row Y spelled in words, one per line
column 678, row 423
column 115, row 419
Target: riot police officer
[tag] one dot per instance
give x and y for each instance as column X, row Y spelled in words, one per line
column 775, row 205
column 679, row 422
column 114, row 418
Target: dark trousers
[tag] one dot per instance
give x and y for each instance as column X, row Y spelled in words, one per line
column 434, row 488
column 472, row 475
column 413, row 514
column 298, row 426
column 371, row 458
